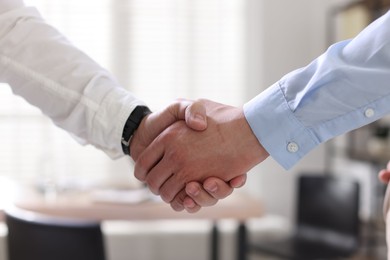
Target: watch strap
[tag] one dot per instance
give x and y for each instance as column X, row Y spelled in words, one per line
column 132, row 123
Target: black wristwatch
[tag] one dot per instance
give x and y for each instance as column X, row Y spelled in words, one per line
column 131, row 125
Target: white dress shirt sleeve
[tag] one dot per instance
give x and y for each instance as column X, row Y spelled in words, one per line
column 343, row 89
column 43, row 67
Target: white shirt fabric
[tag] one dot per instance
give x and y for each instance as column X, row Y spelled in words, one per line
column 343, row 89
column 43, row 67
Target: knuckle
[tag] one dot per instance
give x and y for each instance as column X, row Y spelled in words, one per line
column 170, row 192
column 168, row 137
column 176, row 155
column 206, row 202
column 178, row 202
column 176, row 206
column 212, row 202
column 223, row 194
column 179, row 199
column 201, row 100
column 185, row 176
column 153, row 185
column 153, row 190
column 139, row 171
column 173, row 106
column 166, row 196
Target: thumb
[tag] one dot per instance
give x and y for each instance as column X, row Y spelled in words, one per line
column 195, row 116
column 193, row 112
column 152, row 125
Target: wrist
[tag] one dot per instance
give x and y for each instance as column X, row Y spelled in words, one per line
column 131, row 125
column 254, row 152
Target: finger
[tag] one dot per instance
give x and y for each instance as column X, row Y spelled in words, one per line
column 200, row 196
column 217, row 188
column 171, row 188
column 182, row 201
column 157, row 176
column 159, row 121
column 148, row 159
column 190, row 206
column 177, row 109
column 177, row 203
column 384, row 176
column 195, row 116
column 155, row 123
column 158, row 173
column 238, row 182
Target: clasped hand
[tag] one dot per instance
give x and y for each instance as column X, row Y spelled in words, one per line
column 194, row 153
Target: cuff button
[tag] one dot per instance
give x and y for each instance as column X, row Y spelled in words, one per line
column 292, row 147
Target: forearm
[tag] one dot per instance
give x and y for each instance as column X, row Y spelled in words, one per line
column 345, row 88
column 40, row 64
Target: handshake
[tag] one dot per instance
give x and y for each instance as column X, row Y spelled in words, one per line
column 194, row 153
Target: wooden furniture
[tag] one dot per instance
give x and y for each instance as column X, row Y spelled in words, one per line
column 81, row 205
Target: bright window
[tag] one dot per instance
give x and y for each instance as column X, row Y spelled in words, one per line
column 158, row 49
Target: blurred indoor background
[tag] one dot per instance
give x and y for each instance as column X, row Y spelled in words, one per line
column 224, row 50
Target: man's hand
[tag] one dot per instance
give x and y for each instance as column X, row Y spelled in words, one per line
column 152, row 125
column 226, row 149
column 194, row 114
column 384, row 175
column 208, row 194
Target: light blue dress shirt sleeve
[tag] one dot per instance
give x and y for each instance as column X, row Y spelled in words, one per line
column 343, row 89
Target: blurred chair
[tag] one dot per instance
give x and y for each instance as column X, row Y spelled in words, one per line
column 33, row 236
column 327, row 221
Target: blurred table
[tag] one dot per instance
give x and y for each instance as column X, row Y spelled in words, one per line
column 84, row 205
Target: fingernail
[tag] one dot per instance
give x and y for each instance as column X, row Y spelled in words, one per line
column 211, row 187
column 192, row 190
column 189, row 204
column 199, row 118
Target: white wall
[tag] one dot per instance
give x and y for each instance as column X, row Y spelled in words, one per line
column 283, row 36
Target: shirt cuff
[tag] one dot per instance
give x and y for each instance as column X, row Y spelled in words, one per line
column 110, row 120
column 284, row 137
